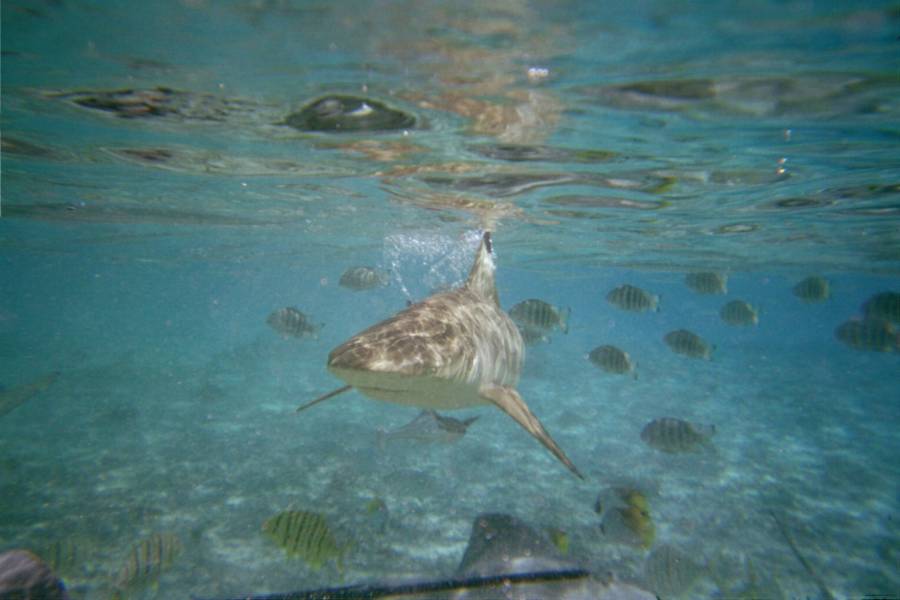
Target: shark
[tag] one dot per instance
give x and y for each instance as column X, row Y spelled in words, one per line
column 455, row 349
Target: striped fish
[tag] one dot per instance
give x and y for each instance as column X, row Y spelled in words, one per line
column 148, row 559
column 707, row 282
column 868, row 334
column 559, row 538
column 64, row 556
column 307, row 535
column 672, row 435
column 640, row 523
column 537, row 314
column 738, row 312
column 885, row 305
column 363, row 278
column 813, row 289
column 289, row 321
column 532, row 336
column 627, row 518
column 670, row 572
column 688, row 343
column 611, row 359
column 629, row 297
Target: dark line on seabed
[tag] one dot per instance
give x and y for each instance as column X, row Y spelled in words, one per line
column 826, row 593
column 375, row 592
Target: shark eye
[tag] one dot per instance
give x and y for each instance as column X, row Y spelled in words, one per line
column 487, row 242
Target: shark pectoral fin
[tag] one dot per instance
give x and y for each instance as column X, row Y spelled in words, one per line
column 330, row 394
column 510, row 402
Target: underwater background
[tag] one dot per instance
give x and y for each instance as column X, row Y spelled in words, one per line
column 174, row 172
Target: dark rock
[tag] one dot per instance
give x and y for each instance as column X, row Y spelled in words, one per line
column 24, row 577
column 339, row 114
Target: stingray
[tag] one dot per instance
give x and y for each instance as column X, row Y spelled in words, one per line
column 453, row 350
column 428, row 426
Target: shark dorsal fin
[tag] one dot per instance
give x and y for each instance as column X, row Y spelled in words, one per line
column 481, row 277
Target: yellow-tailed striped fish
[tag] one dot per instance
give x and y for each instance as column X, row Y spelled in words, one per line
column 739, row 313
column 537, row 314
column 813, row 289
column 378, row 513
column 560, row 539
column 625, row 516
column 629, row 297
column 305, row 534
column 148, row 559
column 376, row 505
column 707, row 282
column 640, row 523
column 629, row 520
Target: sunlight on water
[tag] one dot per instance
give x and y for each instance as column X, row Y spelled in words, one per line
column 434, row 262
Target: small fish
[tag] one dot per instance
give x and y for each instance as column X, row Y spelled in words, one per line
column 629, row 297
column 885, row 305
column 378, row 513
column 685, row 342
column 428, row 427
column 670, row 572
column 363, row 278
column 707, row 282
column 738, row 312
column 540, row 315
column 672, row 435
column 289, row 321
column 532, row 336
column 627, row 518
column 634, row 497
column 14, row 397
column 639, row 522
column 376, row 505
column 307, row 535
column 868, row 334
column 611, row 359
column 64, row 556
column 813, row 289
column 560, row 539
column 148, row 559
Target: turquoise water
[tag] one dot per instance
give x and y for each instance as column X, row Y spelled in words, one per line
column 142, row 256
